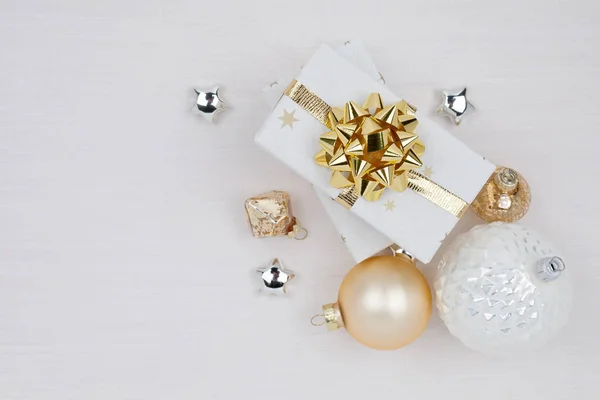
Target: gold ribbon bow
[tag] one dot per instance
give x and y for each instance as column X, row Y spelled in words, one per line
column 371, row 148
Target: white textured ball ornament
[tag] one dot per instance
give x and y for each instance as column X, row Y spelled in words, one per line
column 503, row 289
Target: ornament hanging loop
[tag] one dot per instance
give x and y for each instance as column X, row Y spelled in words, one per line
column 298, row 232
column 550, row 268
column 318, row 317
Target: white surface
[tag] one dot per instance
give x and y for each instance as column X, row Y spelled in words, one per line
column 456, row 167
column 125, row 259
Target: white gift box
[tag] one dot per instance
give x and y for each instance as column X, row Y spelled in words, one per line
column 414, row 223
column 360, row 238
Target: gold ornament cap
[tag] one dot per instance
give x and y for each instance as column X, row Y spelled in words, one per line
column 332, row 316
column 505, row 197
column 507, row 180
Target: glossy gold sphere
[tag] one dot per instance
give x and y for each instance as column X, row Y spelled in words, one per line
column 385, row 302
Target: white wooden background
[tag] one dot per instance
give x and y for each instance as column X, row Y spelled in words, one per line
column 125, row 259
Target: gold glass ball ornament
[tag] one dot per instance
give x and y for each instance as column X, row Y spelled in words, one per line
column 384, row 302
column 504, row 198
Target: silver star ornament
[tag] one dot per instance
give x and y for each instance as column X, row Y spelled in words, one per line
column 274, row 278
column 455, row 105
column 208, row 104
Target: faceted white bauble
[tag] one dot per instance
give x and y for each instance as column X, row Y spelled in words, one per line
column 499, row 291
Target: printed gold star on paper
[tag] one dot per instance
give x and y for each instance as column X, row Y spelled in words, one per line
column 288, row 119
column 389, row 205
column 428, row 171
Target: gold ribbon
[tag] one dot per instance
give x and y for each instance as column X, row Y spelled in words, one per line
column 371, row 148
